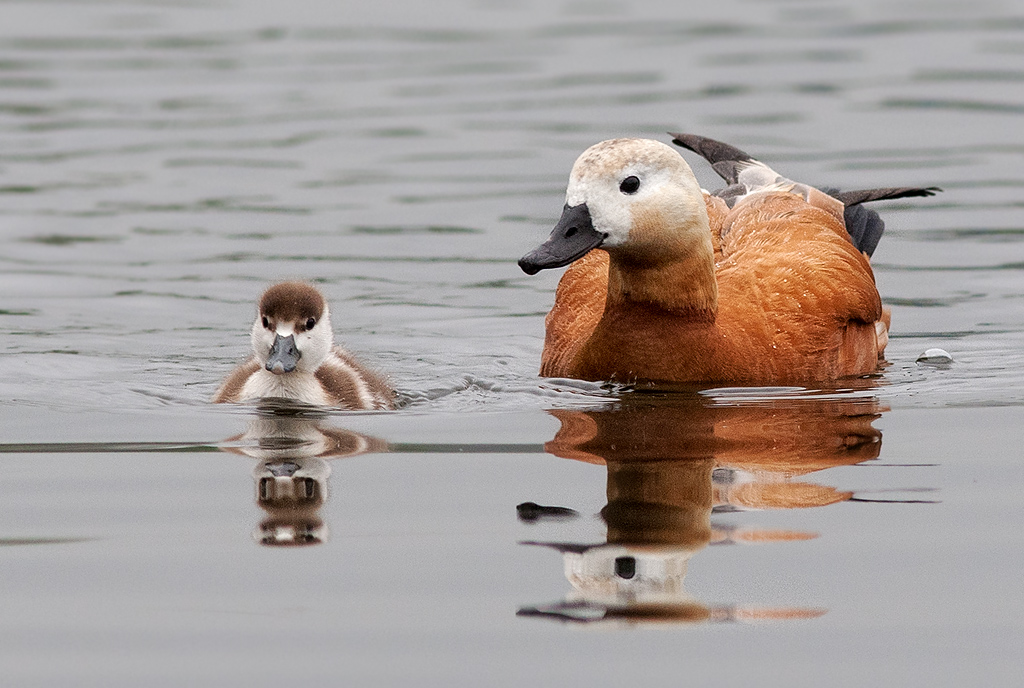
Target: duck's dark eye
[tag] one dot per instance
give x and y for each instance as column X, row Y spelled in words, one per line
column 266, row 322
column 629, row 185
column 310, row 323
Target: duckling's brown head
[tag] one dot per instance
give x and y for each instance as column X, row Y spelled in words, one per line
column 292, row 330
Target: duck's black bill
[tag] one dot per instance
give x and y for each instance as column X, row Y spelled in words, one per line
column 283, row 355
column 572, row 238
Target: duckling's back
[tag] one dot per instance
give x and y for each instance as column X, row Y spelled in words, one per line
column 348, row 384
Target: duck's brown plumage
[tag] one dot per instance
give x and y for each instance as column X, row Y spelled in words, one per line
column 796, row 300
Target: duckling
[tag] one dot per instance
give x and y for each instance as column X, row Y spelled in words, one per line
column 760, row 285
column 294, row 357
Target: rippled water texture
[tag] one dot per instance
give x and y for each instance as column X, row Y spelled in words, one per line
column 161, row 161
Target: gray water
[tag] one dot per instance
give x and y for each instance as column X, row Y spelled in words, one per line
column 162, row 161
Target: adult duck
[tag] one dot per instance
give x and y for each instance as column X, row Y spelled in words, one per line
column 758, row 284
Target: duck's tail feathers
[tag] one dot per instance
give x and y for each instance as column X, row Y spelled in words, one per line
column 851, row 198
column 726, row 160
column 864, row 225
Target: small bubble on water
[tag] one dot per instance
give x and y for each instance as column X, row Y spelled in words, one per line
column 935, row 357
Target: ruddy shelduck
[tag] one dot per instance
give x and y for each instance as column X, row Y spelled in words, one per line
column 764, row 282
column 294, row 357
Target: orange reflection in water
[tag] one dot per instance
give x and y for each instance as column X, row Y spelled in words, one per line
column 673, row 460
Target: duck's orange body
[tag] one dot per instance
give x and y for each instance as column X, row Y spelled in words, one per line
column 770, row 291
column 797, row 302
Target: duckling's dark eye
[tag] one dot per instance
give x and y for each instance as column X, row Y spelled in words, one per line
column 310, row 323
column 266, row 322
column 629, row 185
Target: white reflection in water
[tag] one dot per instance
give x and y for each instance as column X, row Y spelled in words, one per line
column 293, row 447
column 674, row 461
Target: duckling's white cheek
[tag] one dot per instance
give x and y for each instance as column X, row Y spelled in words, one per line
column 261, row 340
column 314, row 347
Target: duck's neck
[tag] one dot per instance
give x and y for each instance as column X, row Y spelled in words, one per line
column 681, row 281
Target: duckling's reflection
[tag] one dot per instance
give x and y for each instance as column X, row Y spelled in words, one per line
column 293, row 446
column 673, row 460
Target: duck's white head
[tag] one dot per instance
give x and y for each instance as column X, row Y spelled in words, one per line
column 635, row 196
column 292, row 331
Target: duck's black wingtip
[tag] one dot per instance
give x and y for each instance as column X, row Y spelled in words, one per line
column 851, row 198
column 722, row 156
column 863, row 224
column 711, row 150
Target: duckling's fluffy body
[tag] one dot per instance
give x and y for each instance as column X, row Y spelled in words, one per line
column 294, row 357
column 671, row 283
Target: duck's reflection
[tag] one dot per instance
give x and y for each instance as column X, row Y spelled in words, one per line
column 293, row 446
column 675, row 460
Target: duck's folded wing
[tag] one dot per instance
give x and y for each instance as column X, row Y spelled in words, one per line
column 795, row 285
column 801, row 257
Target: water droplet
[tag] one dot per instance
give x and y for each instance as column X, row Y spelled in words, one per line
column 935, row 357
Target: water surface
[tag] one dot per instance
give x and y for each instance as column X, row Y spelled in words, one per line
column 161, row 162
